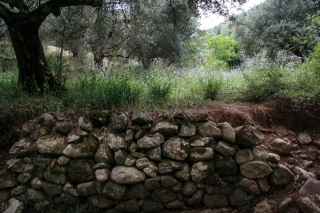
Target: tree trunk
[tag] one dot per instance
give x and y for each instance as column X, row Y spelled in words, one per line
column 34, row 74
column 98, row 59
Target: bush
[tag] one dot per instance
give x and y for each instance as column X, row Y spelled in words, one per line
column 212, row 84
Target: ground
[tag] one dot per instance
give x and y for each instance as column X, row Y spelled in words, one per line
column 275, row 119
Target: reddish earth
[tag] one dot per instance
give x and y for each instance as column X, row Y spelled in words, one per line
column 275, row 119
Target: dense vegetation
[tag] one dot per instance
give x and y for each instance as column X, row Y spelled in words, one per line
column 156, row 58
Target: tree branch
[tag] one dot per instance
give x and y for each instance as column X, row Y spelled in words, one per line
column 121, row 56
column 19, row 4
column 5, row 13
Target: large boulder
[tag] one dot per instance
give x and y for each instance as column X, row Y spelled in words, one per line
column 239, row 198
column 136, row 191
column 209, row 129
column 281, row 175
column 225, row 149
column 280, row 146
column 116, row 142
column 165, row 128
column 51, row 146
column 81, row 170
column 113, row 191
column 255, row 169
column 176, row 148
column 201, row 153
column 85, row 124
column 22, row 148
column 166, row 166
column 244, row 156
column 163, row 194
column 63, row 128
column 201, row 170
column 225, row 165
column 104, row 154
column 150, row 142
column 78, row 150
column 249, row 185
column 119, row 121
column 127, row 175
column 248, row 136
column 47, row 119
column 140, row 117
column 188, row 129
column 228, row 133
column 8, row 180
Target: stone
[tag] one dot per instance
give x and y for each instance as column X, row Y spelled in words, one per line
column 25, row 131
column 52, row 189
column 13, row 206
column 177, row 187
column 70, row 189
column 262, row 207
column 18, row 190
column 152, row 183
column 78, row 150
column 102, row 166
column 285, row 204
column 176, row 148
column 175, row 204
column 166, row 166
column 129, row 135
column 81, row 170
column 306, row 205
column 5, row 194
column 189, row 188
column 15, row 165
column 104, row 154
column 228, row 133
column 225, row 149
column 196, row 197
column 311, row 186
column 56, row 176
column 212, row 201
column 127, row 175
column 128, row 206
column 142, row 163
column 51, row 146
column 304, row 139
column 38, row 132
column 149, row 142
column 85, row 124
column 238, row 198
column 113, row 191
column 33, row 194
column 222, row 188
column 120, row 156
column 69, row 199
column 255, row 169
column 139, row 134
column 138, row 155
column 130, row 161
column 281, row 175
column 46, row 119
column 201, row 142
column 280, row 146
column 22, row 148
column 201, row 153
column 102, row 175
column 87, row 189
column 209, row 129
column 165, row 128
column 201, row 170
column 146, row 126
column 243, row 156
column 274, row 158
column 25, row 177
column 63, row 160
column 263, row 184
column 136, row 191
column 73, row 138
column 63, row 128
column 163, row 195
column 116, row 142
column 248, row 136
column 154, row 153
column 225, row 166
column 213, row 179
column 168, row 180
column 249, row 185
column 119, row 121
column 231, row 179
column 140, row 116
column 36, row 183
column 188, row 130
column 303, row 173
column 151, row 206
column 184, row 173
column 99, row 201
column 151, row 170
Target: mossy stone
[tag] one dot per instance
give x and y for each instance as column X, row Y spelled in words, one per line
column 81, row 170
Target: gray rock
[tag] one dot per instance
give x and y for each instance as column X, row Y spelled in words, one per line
column 163, row 195
column 127, row 175
column 225, row 149
column 222, row 188
column 188, row 130
column 116, row 142
column 133, row 147
column 78, row 150
column 151, row 170
column 228, row 134
column 13, row 206
column 281, row 175
column 15, row 165
column 189, row 188
column 248, row 136
column 152, row 183
column 70, row 189
column 102, row 175
column 87, row 189
column 280, row 146
column 85, row 124
column 69, row 199
column 154, row 153
column 138, row 155
column 166, row 166
column 36, row 183
column 177, row 187
column 304, row 139
column 284, row 205
column 22, row 148
column 151, row 206
column 212, row 201
column 38, row 132
column 255, row 169
column 51, row 146
column 139, row 134
column 225, row 166
column 128, row 206
column 33, row 194
column 166, row 129
column 311, row 186
column 73, row 138
column 120, row 156
column 263, row 184
column 63, row 160
column 175, row 204
column 47, row 119
column 56, row 176
column 243, row 156
column 142, row 163
column 262, row 207
column 119, row 121
column 149, row 142
column 63, row 128
column 18, row 190
column 25, row 177
column 238, row 198
column 184, row 174
column 307, row 206
column 303, row 173
column 113, row 191
column 129, row 135
column 140, row 117
column 81, row 170
column 201, row 170
column 249, row 185
column 98, row 201
column 201, row 153
column 136, row 191
column 168, row 180
column 52, row 189
column 196, row 198
column 274, row 158
column 176, row 148
column 130, row 161
column 209, row 129
column 104, row 154
column 201, row 142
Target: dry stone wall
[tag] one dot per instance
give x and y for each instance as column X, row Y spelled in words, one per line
column 127, row 162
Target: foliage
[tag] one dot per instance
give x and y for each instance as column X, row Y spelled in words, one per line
column 211, row 84
column 225, row 28
column 224, row 51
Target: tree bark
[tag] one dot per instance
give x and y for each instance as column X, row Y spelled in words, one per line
column 98, row 59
